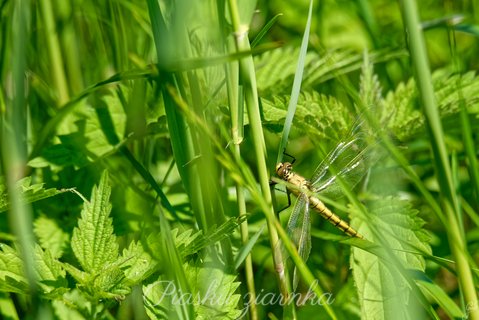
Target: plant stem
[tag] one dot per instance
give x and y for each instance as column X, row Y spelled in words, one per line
column 248, row 77
column 449, row 200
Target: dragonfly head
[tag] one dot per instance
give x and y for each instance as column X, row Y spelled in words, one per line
column 283, row 170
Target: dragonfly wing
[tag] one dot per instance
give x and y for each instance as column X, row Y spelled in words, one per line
column 299, row 230
column 349, row 161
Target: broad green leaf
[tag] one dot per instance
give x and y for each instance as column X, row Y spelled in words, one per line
column 86, row 133
column 319, row 116
column 50, row 235
column 213, row 295
column 75, row 306
column 12, row 277
column 30, row 192
column 384, row 289
column 93, row 241
column 138, row 263
column 51, row 275
column 401, row 107
column 188, row 243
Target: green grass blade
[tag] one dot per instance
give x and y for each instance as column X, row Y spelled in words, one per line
column 441, row 162
column 298, row 77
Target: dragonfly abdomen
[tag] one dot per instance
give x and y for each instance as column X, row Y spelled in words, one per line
column 284, row 170
column 339, row 223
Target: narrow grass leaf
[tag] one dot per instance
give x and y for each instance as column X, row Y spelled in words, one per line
column 441, row 298
column 246, row 249
column 298, row 77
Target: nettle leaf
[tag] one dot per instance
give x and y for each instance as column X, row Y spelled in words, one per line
column 50, row 273
column 87, row 133
column 189, row 242
column 50, row 235
column 380, row 273
column 30, row 192
column 317, row 115
column 93, row 241
column 402, row 112
column 75, row 306
column 12, row 277
column 369, row 87
column 212, row 295
column 276, row 68
column 138, row 264
column 214, row 235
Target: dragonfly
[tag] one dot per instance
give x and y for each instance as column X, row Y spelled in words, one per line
column 347, row 162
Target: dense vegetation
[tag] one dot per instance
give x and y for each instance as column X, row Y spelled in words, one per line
column 139, row 141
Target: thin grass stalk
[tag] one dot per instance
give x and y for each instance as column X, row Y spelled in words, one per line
column 244, row 239
column 236, row 111
column 236, row 132
column 70, row 49
column 247, row 75
column 470, row 149
column 55, row 53
column 449, row 201
column 14, row 149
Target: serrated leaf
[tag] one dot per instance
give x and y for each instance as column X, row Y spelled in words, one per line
column 12, row 277
column 50, row 235
column 369, row 88
column 383, row 288
column 402, row 113
column 93, row 241
column 75, row 306
column 212, row 294
column 319, row 116
column 30, row 192
column 214, row 235
column 138, row 263
column 50, row 273
column 109, row 284
column 189, row 242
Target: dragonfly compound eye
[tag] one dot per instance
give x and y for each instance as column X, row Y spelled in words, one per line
column 283, row 170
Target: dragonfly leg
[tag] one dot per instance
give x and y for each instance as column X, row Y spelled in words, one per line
column 293, row 159
column 289, row 202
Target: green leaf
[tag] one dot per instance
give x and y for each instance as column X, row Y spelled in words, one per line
column 93, row 241
column 12, row 277
column 438, row 294
column 319, row 116
column 30, row 192
column 50, row 273
column 384, row 287
column 246, row 249
column 50, row 235
column 188, row 243
column 7, row 307
column 402, row 114
column 138, row 263
column 212, row 295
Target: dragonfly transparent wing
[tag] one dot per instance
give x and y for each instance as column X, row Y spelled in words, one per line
column 299, row 230
column 349, row 160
